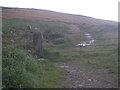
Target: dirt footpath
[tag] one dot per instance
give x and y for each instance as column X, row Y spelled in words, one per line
column 83, row 76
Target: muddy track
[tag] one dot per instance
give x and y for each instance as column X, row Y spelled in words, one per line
column 82, row 76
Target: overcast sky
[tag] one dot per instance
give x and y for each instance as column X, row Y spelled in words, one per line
column 101, row 9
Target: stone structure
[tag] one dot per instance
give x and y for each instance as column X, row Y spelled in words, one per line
column 28, row 27
column 37, row 41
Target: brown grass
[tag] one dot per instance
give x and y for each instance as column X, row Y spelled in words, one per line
column 45, row 15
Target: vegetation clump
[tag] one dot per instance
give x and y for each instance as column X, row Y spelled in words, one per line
column 21, row 67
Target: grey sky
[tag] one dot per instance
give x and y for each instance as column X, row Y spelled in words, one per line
column 101, row 9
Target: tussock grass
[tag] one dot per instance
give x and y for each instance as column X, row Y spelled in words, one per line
column 21, row 68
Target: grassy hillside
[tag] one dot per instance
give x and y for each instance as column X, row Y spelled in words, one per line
column 21, row 68
column 46, row 15
column 61, row 32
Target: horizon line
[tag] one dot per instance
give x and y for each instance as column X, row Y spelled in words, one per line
column 60, row 12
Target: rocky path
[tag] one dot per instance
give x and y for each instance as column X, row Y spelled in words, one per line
column 80, row 76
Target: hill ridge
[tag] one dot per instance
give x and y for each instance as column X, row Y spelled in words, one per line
column 48, row 15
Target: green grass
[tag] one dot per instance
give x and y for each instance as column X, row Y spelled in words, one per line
column 21, row 68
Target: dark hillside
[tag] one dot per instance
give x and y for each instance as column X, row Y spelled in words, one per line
column 61, row 64
column 45, row 15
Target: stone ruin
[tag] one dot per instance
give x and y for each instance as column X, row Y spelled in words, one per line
column 37, row 41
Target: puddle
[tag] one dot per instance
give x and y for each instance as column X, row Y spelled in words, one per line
column 86, row 43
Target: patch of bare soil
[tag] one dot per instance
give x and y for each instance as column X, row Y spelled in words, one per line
column 82, row 76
